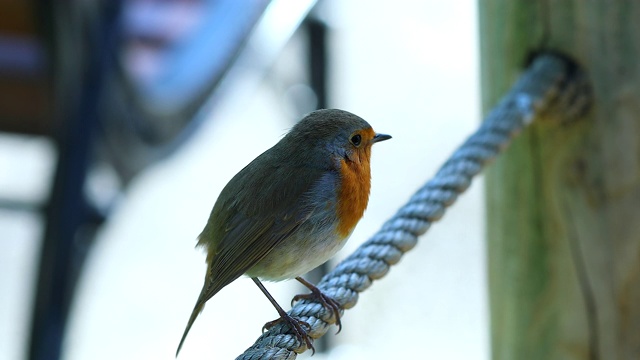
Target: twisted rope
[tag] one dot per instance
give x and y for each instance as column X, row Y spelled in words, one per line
column 548, row 81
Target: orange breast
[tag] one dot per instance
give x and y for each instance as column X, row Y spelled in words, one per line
column 354, row 191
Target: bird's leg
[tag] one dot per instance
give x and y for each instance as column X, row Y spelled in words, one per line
column 328, row 302
column 296, row 325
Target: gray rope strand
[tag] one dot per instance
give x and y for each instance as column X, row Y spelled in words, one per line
column 545, row 81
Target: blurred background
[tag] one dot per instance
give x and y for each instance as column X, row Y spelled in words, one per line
column 122, row 120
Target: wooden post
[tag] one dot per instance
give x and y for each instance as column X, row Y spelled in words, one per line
column 564, row 200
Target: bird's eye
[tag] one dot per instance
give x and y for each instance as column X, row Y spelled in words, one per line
column 356, row 139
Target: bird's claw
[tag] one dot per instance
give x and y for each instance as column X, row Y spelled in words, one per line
column 300, row 329
column 327, row 302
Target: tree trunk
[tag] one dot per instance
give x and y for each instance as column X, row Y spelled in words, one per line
column 564, row 200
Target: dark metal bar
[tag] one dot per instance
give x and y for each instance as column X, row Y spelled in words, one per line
column 68, row 214
column 318, row 73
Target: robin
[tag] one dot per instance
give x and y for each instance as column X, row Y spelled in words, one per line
column 290, row 210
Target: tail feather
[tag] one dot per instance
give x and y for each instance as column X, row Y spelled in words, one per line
column 194, row 314
column 211, row 287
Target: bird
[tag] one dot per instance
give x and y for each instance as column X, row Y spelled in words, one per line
column 290, row 210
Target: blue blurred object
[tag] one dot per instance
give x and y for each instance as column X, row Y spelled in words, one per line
column 195, row 63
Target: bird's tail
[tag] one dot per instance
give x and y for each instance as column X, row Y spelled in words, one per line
column 194, row 314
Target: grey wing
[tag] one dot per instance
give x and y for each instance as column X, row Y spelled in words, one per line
column 251, row 232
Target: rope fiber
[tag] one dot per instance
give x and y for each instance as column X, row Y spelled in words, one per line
column 550, row 83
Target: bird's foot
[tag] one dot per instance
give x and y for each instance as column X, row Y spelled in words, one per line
column 327, row 301
column 300, row 329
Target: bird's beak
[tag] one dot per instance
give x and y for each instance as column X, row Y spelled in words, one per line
column 380, row 137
